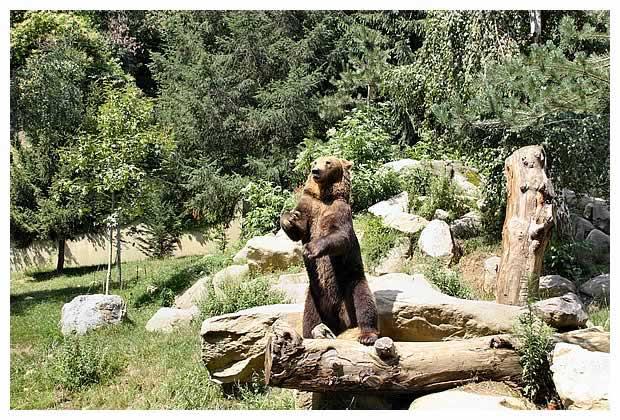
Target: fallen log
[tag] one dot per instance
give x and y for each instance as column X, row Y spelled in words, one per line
column 324, row 365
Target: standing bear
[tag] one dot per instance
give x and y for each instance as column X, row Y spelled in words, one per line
column 338, row 295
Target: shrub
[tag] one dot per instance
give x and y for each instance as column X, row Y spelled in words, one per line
column 448, row 281
column 78, row 363
column 439, row 193
column 377, row 239
column 535, row 342
column 266, row 204
column 568, row 259
column 370, row 185
column 162, row 227
column 235, row 296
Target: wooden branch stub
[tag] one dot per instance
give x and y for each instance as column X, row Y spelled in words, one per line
column 322, row 331
column 385, row 348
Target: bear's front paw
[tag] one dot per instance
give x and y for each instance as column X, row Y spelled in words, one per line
column 368, row 339
column 289, row 219
column 311, row 250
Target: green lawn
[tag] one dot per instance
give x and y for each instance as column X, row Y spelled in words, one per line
column 147, row 370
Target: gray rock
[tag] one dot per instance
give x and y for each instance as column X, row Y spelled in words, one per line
column 597, row 211
column 295, row 278
column 491, row 268
column 581, row 377
column 272, row 252
column 395, row 259
column 468, row 226
column 399, row 165
column 393, row 213
column 441, row 215
column 597, row 287
column 456, row 399
column 167, row 320
column 397, row 204
column 192, row 296
column 581, row 227
column 436, row 239
column 564, row 312
column 555, row 286
column 88, row 312
column 600, row 245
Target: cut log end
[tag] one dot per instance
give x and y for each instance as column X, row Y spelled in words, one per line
column 385, row 348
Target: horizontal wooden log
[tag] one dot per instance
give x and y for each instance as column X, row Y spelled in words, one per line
column 323, row 365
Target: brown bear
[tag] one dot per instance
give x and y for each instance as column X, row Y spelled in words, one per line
column 338, row 295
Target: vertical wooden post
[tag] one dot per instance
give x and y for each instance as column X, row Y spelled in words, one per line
column 527, row 227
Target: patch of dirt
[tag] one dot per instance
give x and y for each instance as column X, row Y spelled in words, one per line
column 471, row 267
column 20, row 349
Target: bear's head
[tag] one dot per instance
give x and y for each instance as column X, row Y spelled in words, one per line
column 330, row 179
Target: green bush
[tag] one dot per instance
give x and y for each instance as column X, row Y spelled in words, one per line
column 266, row 204
column 78, row 363
column 371, row 185
column 448, row 281
column 377, row 239
column 568, row 259
column 536, row 341
column 439, row 193
column 235, row 296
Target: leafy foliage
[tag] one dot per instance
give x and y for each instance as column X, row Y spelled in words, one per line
column 239, row 295
column 267, row 202
column 78, row 363
column 376, row 238
column 536, row 342
column 448, row 281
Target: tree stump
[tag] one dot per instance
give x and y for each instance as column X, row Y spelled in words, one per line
column 527, row 227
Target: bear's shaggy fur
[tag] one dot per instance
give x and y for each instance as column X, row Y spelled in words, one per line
column 338, row 295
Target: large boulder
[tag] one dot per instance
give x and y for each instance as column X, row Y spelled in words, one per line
column 581, row 377
column 555, row 286
column 564, row 312
column 194, row 294
column 167, row 320
column 581, row 227
column 597, row 212
column 457, row 399
column 393, row 213
column 436, row 239
column 600, row 245
column 409, row 309
column 597, row 287
column 233, row 345
column 491, row 268
column 87, row 312
column 272, row 252
column 468, row 226
column 232, row 273
column 395, row 259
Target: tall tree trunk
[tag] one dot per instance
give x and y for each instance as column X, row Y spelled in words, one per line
column 109, row 274
column 527, row 227
column 60, row 264
column 118, row 254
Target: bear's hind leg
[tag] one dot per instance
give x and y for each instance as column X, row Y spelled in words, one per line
column 311, row 316
column 366, row 313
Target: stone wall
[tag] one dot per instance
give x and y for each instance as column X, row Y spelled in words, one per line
column 92, row 249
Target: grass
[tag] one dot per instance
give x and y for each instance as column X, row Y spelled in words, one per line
column 141, row 370
column 376, row 239
column 598, row 313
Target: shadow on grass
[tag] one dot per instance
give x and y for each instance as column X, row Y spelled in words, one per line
column 67, row 272
column 21, row 302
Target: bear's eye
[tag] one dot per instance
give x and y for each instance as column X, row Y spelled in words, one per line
column 328, row 163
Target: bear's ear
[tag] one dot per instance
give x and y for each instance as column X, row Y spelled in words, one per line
column 347, row 164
